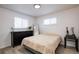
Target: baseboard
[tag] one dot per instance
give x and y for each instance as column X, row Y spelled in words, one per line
column 5, row 47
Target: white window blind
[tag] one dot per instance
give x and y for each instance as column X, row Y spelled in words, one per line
column 50, row 21
column 20, row 22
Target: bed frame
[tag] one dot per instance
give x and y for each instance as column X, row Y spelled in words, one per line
column 34, row 51
column 31, row 50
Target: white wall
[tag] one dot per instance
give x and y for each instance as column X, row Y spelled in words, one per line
column 65, row 18
column 6, row 22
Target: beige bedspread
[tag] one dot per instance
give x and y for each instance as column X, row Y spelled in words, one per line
column 45, row 44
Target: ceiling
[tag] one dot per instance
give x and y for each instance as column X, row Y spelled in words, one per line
column 29, row 9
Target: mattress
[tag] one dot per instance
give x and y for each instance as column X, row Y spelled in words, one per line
column 45, row 44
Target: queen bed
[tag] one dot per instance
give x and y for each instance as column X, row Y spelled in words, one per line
column 45, row 44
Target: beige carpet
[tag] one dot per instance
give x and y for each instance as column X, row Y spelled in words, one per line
column 21, row 50
column 16, row 50
column 67, row 50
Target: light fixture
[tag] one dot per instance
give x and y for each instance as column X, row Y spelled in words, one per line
column 37, row 6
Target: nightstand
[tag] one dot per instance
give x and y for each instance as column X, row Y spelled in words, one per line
column 71, row 38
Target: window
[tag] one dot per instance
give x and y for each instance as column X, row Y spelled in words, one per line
column 20, row 23
column 50, row 21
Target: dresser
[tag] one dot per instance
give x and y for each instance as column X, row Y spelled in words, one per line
column 17, row 37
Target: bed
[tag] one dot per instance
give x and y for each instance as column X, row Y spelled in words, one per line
column 45, row 44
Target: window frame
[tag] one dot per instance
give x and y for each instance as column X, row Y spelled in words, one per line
column 21, row 23
column 51, row 21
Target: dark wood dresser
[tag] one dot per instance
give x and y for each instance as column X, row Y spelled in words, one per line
column 17, row 37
